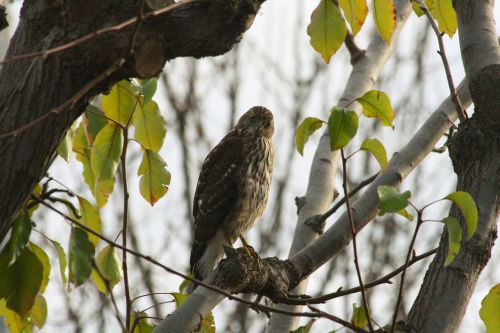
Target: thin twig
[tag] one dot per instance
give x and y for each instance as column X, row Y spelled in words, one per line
column 403, row 274
column 462, row 115
column 124, row 227
column 110, row 292
column 263, row 308
column 355, row 248
column 128, row 303
column 342, row 201
column 384, row 279
column 338, row 320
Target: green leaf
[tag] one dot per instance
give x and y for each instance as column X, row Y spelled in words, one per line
column 377, row 149
column 81, row 253
column 180, row 298
column 305, row 130
column 37, row 191
column 102, row 191
column 110, row 268
column 155, row 178
column 150, row 126
column 144, row 325
column 358, row 318
column 12, row 320
column 184, row 284
column 327, row 29
column 120, row 102
column 467, row 206
column 45, row 261
column 490, row 308
column 207, row 325
column 93, row 121
column 416, row 8
column 391, row 201
column 62, row 259
column 82, row 151
column 21, row 281
column 149, row 89
column 376, row 104
column 20, row 234
column 454, row 239
column 444, row 13
column 342, row 127
column 38, row 313
column 304, row 329
column 404, row 213
column 66, row 145
column 90, row 218
column 384, row 15
column 355, row 12
column 106, row 152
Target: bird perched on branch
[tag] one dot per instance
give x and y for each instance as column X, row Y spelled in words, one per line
column 232, row 190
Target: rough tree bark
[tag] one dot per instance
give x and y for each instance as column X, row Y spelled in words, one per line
column 62, row 83
column 475, row 153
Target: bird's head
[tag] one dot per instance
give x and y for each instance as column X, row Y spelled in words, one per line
column 258, row 121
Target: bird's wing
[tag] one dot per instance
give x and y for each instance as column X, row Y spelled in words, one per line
column 217, row 189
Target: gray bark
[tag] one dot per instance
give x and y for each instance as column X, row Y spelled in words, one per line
column 475, row 153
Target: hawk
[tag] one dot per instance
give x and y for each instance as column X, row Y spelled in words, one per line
column 232, row 189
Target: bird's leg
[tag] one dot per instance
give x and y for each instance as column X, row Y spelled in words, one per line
column 249, row 249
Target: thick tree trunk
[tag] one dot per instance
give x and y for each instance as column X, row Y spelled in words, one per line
column 475, row 152
column 63, row 83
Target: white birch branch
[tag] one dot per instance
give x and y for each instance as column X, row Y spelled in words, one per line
column 187, row 317
column 321, row 184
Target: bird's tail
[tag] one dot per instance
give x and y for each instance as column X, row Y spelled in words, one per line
column 204, row 257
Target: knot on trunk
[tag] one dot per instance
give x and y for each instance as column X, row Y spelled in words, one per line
column 241, row 272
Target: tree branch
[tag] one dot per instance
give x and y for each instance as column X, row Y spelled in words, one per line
column 74, row 70
column 321, row 182
column 337, row 237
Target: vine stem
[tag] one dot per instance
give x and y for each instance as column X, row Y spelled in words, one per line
column 355, row 248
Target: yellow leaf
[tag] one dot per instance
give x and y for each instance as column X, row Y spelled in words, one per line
column 490, row 308
column 454, row 239
column 384, row 15
column 66, row 145
column 355, row 12
column 102, row 191
column 13, row 320
column 106, row 151
column 109, row 267
column 120, row 102
column 38, row 313
column 377, row 149
column 155, row 178
column 444, row 13
column 376, row 104
column 150, row 126
column 90, row 218
column 327, row 29
column 305, row 130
